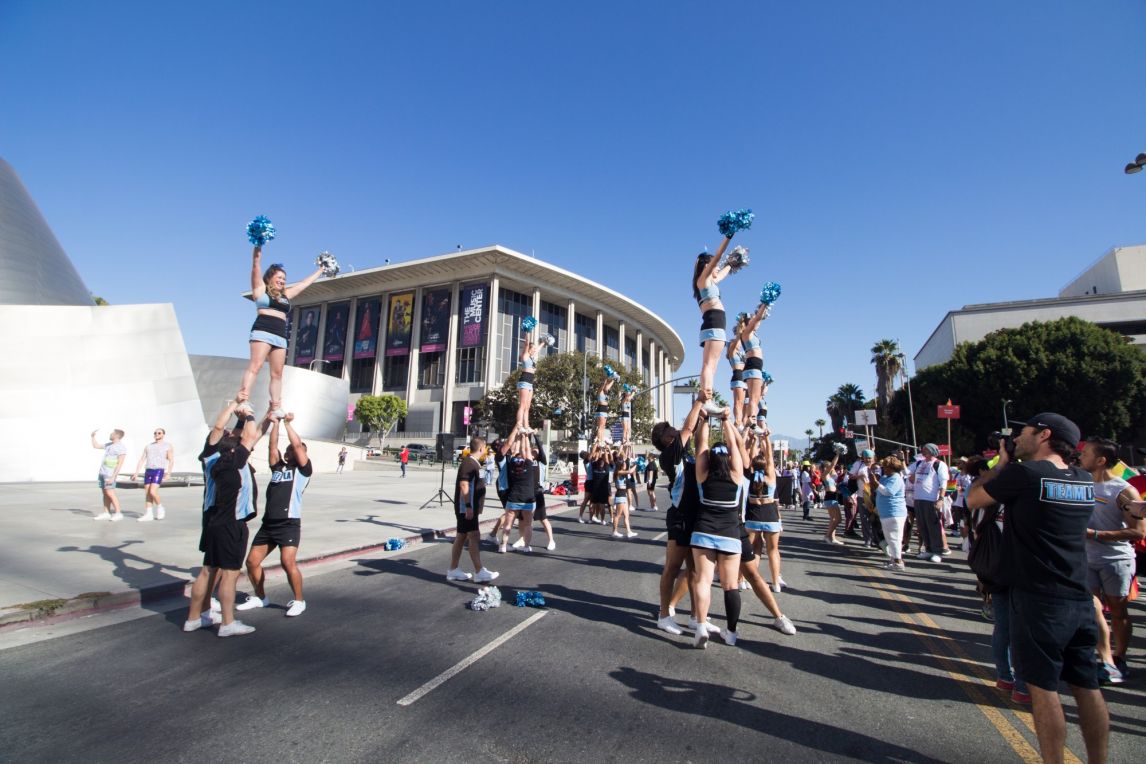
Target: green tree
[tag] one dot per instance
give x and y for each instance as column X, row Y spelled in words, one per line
column 379, row 413
column 843, row 403
column 885, row 356
column 96, row 299
column 1078, row 369
column 820, row 426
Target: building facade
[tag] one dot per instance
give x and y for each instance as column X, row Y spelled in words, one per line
column 1111, row 293
column 440, row 332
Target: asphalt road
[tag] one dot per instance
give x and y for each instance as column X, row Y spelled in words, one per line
column 883, row 669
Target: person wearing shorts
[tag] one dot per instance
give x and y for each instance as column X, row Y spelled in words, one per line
column 157, row 461
column 282, row 519
column 469, row 500
column 521, row 493
column 1110, row 538
column 651, row 475
column 621, row 474
column 224, row 539
column 114, row 452
column 1053, row 633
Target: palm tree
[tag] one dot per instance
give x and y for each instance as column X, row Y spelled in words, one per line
column 820, row 424
column 809, row 433
column 885, row 356
column 850, row 398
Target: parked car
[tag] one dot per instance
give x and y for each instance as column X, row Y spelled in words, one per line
column 420, row 449
column 372, row 451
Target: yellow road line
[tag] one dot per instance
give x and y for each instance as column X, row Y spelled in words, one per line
column 1014, row 738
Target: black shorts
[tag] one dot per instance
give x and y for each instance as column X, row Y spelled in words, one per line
column 468, row 526
column 279, row 533
column 270, row 325
column 539, row 512
column 753, row 362
column 599, row 494
column 503, row 497
column 225, row 545
column 679, row 527
column 747, row 553
column 1053, row 638
column 205, row 520
column 713, row 318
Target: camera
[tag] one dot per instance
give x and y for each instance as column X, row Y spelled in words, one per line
column 1000, row 441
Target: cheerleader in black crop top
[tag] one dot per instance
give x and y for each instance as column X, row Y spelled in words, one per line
column 268, row 339
column 762, row 519
column 716, row 535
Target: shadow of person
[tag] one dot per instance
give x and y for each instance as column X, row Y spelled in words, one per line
column 154, row 581
column 737, row 706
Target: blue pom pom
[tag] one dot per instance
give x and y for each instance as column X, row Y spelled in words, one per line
column 260, row 230
column 733, row 221
column 609, row 371
column 770, row 293
column 520, row 601
column 767, row 378
column 392, row 545
column 529, row 323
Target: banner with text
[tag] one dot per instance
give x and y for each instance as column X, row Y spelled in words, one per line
column 471, row 309
column 400, row 324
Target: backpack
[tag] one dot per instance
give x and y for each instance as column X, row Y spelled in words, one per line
column 986, row 555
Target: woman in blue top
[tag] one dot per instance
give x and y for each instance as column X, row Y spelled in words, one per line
column 268, row 338
column 705, row 276
column 891, row 506
column 529, row 352
column 739, row 387
column 753, row 360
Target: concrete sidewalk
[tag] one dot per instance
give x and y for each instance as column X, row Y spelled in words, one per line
column 55, row 560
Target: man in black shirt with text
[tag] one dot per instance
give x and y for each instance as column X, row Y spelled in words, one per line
column 1053, row 633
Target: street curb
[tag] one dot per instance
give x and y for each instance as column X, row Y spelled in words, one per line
column 56, row 610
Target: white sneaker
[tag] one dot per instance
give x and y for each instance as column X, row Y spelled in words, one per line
column 923, row 554
column 712, row 407
column 631, row 535
column 581, row 520
column 235, row 629
column 729, row 637
column 519, row 543
column 278, row 414
column 784, row 626
column 297, row 607
column 216, row 606
column 160, row 512
column 934, row 558
column 700, row 638
column 551, row 545
column 501, row 549
column 672, row 612
column 776, row 588
column 253, row 602
column 743, row 585
column 618, row 535
column 146, row 517
column 668, row 623
column 527, row 549
column 712, row 627
column 103, row 516
column 485, row 575
column 194, row 625
column 211, row 618
column 457, row 574
column 117, row 517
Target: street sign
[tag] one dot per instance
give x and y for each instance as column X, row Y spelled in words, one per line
column 948, row 411
column 849, row 434
column 866, row 417
column 861, row 444
column 944, row 449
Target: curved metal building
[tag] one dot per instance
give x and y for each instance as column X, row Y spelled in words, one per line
column 36, row 269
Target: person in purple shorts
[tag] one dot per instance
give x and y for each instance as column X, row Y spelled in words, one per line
column 157, row 461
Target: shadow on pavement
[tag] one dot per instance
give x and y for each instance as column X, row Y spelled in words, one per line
column 151, row 579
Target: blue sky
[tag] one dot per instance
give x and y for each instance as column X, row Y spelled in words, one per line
column 903, row 158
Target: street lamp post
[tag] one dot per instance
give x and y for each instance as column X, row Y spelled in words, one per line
column 1006, row 424
column 910, row 405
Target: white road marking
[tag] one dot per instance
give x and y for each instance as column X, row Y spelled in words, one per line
column 660, row 536
column 465, row 663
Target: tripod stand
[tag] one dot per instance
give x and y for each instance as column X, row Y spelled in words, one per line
column 441, row 496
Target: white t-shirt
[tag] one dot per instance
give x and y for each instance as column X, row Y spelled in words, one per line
column 156, row 455
column 930, row 479
column 111, row 453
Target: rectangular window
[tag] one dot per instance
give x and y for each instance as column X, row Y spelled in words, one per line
column 362, row 375
column 612, row 345
column 395, row 372
column 332, row 368
column 553, row 320
column 433, row 369
column 511, row 308
column 645, row 375
column 471, row 366
column 630, row 353
column 585, row 333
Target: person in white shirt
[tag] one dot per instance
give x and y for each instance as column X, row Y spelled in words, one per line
column 860, row 472
column 157, row 461
column 114, row 452
column 929, row 479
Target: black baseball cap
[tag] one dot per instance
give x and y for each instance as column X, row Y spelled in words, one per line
column 1061, row 427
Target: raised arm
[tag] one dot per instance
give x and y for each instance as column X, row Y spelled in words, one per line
column 507, row 444
column 770, row 470
column 300, row 456
column 294, row 290
column 221, row 420
column 253, row 430
column 733, row 343
column 689, row 426
column 702, row 451
column 258, row 288
column 273, row 455
column 735, row 446
column 710, row 267
column 754, row 320
column 96, row 443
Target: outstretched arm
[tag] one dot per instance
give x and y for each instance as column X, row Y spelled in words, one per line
column 293, row 290
column 733, row 343
column 766, row 444
column 258, row 288
column 702, row 451
column 273, row 455
column 689, row 425
column 710, row 268
column 221, row 420
column 95, row 443
column 735, row 446
column 300, row 455
column 755, row 319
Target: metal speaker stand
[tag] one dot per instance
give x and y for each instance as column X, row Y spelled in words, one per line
column 441, row 496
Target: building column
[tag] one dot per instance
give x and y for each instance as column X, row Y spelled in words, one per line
column 621, row 344
column 415, row 342
column 537, row 304
column 571, row 326
column 451, row 363
column 491, row 335
column 600, row 334
column 348, row 345
column 640, row 354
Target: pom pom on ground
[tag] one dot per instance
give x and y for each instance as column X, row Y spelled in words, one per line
column 392, row 545
column 260, row 230
column 769, row 293
column 733, row 221
column 530, row 599
column 487, row 597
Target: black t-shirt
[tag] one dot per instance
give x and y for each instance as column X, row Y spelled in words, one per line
column 469, row 472
column 235, row 495
column 522, row 486
column 284, row 494
column 1044, row 537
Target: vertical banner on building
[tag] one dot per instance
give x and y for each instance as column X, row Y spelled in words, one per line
column 401, row 323
column 471, row 326
column 334, row 339
column 307, row 339
column 435, row 319
column 366, row 328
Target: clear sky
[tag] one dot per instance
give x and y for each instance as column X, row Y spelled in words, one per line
column 903, row 158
